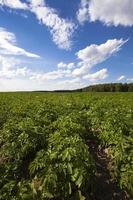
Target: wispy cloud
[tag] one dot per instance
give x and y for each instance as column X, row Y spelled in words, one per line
column 10, row 64
column 8, row 45
column 53, row 75
column 121, row 78
column 61, row 29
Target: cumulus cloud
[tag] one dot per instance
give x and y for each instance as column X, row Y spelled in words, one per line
column 95, row 54
column 121, row 78
column 10, row 68
column 10, row 74
column 88, row 58
column 63, row 71
column 8, row 45
column 62, row 65
column 15, row 4
column 99, row 75
column 73, row 74
column 110, row 12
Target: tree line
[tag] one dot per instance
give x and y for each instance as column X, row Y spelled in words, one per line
column 109, row 87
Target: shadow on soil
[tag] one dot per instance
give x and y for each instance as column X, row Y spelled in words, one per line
column 106, row 188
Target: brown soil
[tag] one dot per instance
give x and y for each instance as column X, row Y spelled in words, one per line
column 106, row 188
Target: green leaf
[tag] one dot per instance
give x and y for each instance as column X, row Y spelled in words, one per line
column 79, row 181
column 69, row 167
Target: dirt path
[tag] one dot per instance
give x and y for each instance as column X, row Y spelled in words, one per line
column 106, row 188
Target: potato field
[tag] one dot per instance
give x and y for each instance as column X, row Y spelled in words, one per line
column 66, row 146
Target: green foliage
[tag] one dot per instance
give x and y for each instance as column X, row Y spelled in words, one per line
column 43, row 137
column 110, row 87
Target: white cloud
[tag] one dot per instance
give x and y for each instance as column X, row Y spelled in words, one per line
column 70, row 84
column 63, row 71
column 9, row 68
column 110, row 12
column 53, row 75
column 60, row 29
column 7, row 63
column 98, row 53
column 88, row 58
column 32, row 85
column 95, row 54
column 11, row 74
column 83, row 12
column 99, row 75
column 121, row 78
column 8, row 45
column 15, row 4
column 62, row 65
column 36, row 3
column 17, row 84
column 10, row 65
column 79, row 71
column 64, row 76
column 130, row 79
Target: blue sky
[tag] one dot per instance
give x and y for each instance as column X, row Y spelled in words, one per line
column 56, row 44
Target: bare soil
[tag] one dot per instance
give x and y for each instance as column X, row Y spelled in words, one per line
column 106, row 188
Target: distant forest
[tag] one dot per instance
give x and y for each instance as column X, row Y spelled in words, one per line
column 110, row 87
column 107, row 87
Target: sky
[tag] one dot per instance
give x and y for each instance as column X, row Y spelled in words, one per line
column 61, row 44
